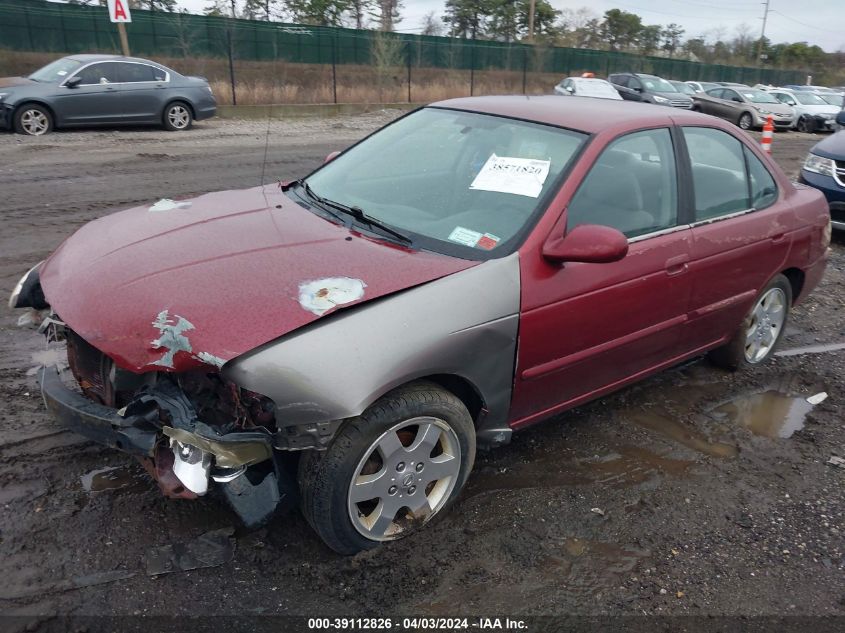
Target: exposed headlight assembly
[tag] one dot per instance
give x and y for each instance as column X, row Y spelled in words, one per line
column 659, row 99
column 819, row 165
column 27, row 292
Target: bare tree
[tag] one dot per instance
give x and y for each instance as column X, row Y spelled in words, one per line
column 432, row 24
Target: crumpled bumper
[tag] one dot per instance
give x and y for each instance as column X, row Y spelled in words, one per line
column 257, row 483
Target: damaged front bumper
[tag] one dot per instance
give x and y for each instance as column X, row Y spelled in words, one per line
column 245, row 466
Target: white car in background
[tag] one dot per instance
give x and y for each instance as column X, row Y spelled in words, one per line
column 587, row 87
column 812, row 113
column 702, row 86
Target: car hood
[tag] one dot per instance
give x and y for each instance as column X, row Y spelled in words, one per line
column 179, row 285
column 11, row 82
column 674, row 96
column 817, row 109
column 832, row 147
column 775, row 108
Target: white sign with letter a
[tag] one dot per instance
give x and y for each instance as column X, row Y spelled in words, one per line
column 119, row 11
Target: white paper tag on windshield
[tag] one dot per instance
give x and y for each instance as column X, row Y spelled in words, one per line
column 464, row 236
column 521, row 176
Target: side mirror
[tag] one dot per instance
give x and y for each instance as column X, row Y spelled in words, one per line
column 736, row 99
column 330, row 157
column 588, row 243
column 73, row 82
column 570, row 89
column 840, row 118
column 637, row 89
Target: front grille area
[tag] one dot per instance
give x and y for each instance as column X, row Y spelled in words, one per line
column 680, row 103
column 90, row 367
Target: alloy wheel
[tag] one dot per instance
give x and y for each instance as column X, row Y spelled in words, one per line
column 179, row 117
column 34, row 122
column 745, row 121
column 404, row 478
column 767, row 321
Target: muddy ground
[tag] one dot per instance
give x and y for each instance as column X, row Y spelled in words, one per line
column 681, row 495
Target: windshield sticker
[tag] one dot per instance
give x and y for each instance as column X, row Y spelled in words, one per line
column 465, row 236
column 61, row 73
column 520, row 176
column 488, row 242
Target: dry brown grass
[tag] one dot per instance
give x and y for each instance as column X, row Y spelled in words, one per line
column 282, row 82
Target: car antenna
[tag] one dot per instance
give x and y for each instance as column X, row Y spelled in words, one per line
column 267, row 136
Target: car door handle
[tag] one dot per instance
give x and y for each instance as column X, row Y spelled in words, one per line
column 677, row 265
column 778, row 238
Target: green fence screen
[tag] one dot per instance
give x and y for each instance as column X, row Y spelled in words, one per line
column 37, row 25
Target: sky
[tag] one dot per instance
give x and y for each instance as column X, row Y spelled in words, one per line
column 812, row 21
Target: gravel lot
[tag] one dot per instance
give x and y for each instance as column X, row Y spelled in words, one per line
column 676, row 496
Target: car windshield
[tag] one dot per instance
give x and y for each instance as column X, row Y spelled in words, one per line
column 833, row 99
column 56, row 71
column 594, row 88
column 684, row 88
column 455, row 182
column 808, row 98
column 758, row 96
column 657, row 84
column 706, row 85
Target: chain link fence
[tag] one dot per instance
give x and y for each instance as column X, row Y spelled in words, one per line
column 271, row 62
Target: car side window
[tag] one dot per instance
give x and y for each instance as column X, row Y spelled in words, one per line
column 620, row 80
column 730, row 95
column 764, row 191
column 719, row 178
column 634, row 83
column 716, row 92
column 103, row 73
column 136, row 73
column 632, row 186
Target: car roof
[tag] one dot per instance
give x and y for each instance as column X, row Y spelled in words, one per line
column 87, row 58
column 587, row 115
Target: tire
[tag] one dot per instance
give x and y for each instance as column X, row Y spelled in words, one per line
column 803, row 125
column 746, row 121
column 177, row 116
column 380, row 443
column 757, row 338
column 33, row 120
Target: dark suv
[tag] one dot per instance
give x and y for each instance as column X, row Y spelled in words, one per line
column 649, row 89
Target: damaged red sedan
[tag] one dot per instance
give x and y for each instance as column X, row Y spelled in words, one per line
column 346, row 341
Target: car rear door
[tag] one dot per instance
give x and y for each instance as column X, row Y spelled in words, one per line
column 587, row 328
column 741, row 232
column 142, row 91
column 95, row 99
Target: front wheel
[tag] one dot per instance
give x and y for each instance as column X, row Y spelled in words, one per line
column 746, row 122
column 803, row 125
column 390, row 470
column 33, row 120
column 758, row 336
column 177, row 116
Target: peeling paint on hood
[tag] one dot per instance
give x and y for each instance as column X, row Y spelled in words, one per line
column 226, row 274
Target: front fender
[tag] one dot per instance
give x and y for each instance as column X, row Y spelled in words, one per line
column 465, row 325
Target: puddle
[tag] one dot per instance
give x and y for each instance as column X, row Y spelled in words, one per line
column 590, row 567
column 770, row 414
column 812, row 349
column 683, row 434
column 630, row 465
column 112, row 478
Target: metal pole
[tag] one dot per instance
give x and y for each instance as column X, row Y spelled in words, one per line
column 231, row 63
column 408, row 48
column 524, row 70
column 124, row 41
column 334, row 66
column 472, row 70
column 760, row 43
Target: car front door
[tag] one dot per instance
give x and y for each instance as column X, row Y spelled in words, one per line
column 142, row 92
column 709, row 101
column 95, row 99
column 588, row 328
column 741, row 232
column 732, row 105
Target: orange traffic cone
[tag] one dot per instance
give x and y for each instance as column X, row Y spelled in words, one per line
column 766, row 141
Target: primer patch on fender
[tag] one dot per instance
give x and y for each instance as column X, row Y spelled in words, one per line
column 166, row 204
column 505, row 174
column 322, row 295
column 210, row 359
column 171, row 337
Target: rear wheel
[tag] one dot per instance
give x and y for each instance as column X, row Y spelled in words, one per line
column 33, row 119
column 177, row 116
column 758, row 336
column 803, row 125
column 390, row 470
column 746, row 121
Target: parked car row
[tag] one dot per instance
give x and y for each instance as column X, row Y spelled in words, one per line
column 805, row 108
column 85, row 90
